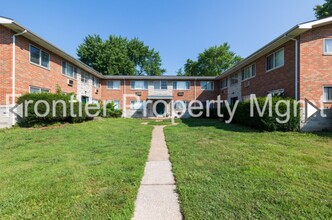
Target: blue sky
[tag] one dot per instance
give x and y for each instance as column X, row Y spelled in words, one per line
column 177, row 29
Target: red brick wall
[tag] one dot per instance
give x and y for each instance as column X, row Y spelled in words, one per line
column 316, row 68
column 28, row 74
column 5, row 63
column 280, row 78
column 189, row 95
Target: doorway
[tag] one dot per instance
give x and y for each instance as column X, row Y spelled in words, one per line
column 160, row 108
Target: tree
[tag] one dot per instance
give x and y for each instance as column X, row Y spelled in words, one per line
column 324, row 10
column 180, row 72
column 212, row 62
column 119, row 56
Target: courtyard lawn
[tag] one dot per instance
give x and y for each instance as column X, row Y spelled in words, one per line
column 231, row 172
column 81, row 171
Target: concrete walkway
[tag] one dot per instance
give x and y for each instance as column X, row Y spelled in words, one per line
column 156, row 197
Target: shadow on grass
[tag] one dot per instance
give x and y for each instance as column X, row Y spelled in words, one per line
column 200, row 122
column 326, row 134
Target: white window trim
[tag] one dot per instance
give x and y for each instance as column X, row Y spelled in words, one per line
column 39, row 65
column 115, row 101
column 37, row 87
column 86, row 79
column 94, row 82
column 181, row 89
column 324, row 100
column 160, row 85
column 108, row 88
column 230, row 79
column 75, row 71
column 139, row 89
column 226, row 79
column 135, row 101
column 212, row 89
column 326, row 53
column 251, row 70
column 274, row 68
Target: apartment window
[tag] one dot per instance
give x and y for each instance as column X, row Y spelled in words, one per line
column 34, row 89
column 160, row 85
column 181, row 85
column 68, row 69
column 275, row 60
column 180, row 105
column 328, row 46
column 85, row 77
column 96, row 82
column 206, row 85
column 116, row 103
column 136, row 105
column 139, row 85
column 328, row 93
column 223, row 83
column 39, row 57
column 234, row 79
column 113, row 84
column 249, row 72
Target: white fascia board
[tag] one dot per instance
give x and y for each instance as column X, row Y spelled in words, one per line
column 312, row 24
column 4, row 20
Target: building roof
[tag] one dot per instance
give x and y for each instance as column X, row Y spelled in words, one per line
column 282, row 39
column 164, row 77
column 17, row 28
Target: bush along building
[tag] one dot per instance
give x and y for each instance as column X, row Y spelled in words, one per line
column 297, row 64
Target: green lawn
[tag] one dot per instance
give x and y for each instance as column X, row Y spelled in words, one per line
column 230, row 172
column 82, row 171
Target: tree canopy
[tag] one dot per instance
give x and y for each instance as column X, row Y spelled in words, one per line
column 324, row 10
column 119, row 56
column 212, row 62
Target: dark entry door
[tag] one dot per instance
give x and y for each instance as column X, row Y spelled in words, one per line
column 85, row 99
column 160, row 108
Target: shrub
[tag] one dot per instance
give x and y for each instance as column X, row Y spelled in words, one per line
column 111, row 111
column 267, row 123
column 60, row 103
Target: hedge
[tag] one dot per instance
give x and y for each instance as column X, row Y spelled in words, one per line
column 267, row 123
column 55, row 101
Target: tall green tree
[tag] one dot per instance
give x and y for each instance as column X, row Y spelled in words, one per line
column 119, row 56
column 212, row 62
column 324, row 10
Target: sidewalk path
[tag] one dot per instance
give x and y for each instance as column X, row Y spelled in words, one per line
column 156, row 197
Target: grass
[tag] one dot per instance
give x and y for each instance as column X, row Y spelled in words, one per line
column 232, row 172
column 82, row 171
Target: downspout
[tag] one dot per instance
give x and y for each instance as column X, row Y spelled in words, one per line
column 124, row 99
column 195, row 88
column 14, row 73
column 296, row 67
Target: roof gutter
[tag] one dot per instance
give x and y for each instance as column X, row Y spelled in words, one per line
column 14, row 74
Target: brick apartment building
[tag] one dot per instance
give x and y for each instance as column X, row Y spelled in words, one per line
column 297, row 64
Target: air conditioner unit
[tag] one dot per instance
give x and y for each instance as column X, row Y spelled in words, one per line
column 246, row 83
column 180, row 93
column 70, row 82
column 138, row 93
